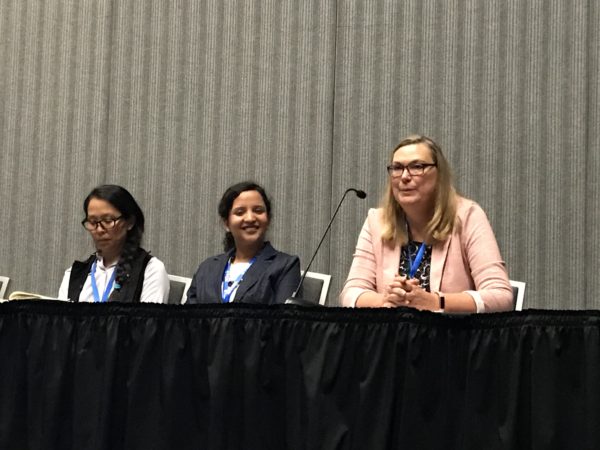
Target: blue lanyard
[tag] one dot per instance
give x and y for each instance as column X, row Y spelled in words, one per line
column 95, row 286
column 227, row 287
column 414, row 265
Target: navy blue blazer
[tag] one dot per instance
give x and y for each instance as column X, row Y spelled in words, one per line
column 271, row 279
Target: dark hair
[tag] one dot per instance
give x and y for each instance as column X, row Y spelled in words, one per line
column 229, row 197
column 121, row 199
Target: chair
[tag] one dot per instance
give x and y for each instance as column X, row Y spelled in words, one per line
column 3, row 285
column 518, row 288
column 315, row 287
column 178, row 289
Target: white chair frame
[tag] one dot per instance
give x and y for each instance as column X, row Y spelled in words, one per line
column 186, row 281
column 325, row 288
column 3, row 285
column 520, row 285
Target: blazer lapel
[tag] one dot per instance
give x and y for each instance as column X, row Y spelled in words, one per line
column 256, row 271
column 439, row 253
column 217, row 275
column 390, row 266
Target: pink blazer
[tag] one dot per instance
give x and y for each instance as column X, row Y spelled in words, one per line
column 468, row 261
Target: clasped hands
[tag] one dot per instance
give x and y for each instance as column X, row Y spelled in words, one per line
column 403, row 291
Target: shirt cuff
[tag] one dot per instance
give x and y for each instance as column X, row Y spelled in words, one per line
column 478, row 300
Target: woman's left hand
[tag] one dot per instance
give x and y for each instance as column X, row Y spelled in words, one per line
column 417, row 297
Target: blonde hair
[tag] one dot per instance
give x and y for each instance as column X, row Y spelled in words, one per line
column 444, row 214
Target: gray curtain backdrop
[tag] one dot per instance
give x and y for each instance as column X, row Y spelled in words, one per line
column 178, row 99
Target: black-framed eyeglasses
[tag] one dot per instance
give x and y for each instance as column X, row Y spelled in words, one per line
column 106, row 224
column 415, row 169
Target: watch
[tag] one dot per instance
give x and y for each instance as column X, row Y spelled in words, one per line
column 442, row 301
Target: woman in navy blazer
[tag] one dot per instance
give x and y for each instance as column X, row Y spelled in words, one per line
column 250, row 270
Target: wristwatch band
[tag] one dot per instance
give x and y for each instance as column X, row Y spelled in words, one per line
column 442, row 301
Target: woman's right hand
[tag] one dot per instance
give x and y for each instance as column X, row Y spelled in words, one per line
column 395, row 293
column 393, row 296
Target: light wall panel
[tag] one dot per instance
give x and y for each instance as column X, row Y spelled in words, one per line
column 176, row 100
column 206, row 94
column 504, row 87
column 590, row 142
column 53, row 93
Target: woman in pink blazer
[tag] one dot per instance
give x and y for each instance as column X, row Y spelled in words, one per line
column 426, row 247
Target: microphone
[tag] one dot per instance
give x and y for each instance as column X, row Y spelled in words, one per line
column 294, row 300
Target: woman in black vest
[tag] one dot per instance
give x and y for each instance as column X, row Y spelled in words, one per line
column 119, row 270
column 250, row 270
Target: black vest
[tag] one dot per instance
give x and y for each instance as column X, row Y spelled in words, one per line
column 131, row 290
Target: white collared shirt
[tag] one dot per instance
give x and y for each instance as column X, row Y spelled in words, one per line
column 155, row 288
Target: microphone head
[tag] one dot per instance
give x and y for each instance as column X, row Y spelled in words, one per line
column 358, row 192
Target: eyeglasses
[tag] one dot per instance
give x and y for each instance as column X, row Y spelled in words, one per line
column 414, row 169
column 106, row 224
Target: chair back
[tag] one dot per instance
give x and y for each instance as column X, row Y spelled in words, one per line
column 178, row 287
column 315, row 287
column 3, row 285
column 518, row 288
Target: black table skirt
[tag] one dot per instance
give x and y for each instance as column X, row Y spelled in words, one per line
column 116, row 376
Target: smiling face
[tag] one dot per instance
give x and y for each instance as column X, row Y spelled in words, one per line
column 248, row 220
column 414, row 190
column 111, row 241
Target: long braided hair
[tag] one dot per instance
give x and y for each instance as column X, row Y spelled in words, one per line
column 121, row 199
column 226, row 204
